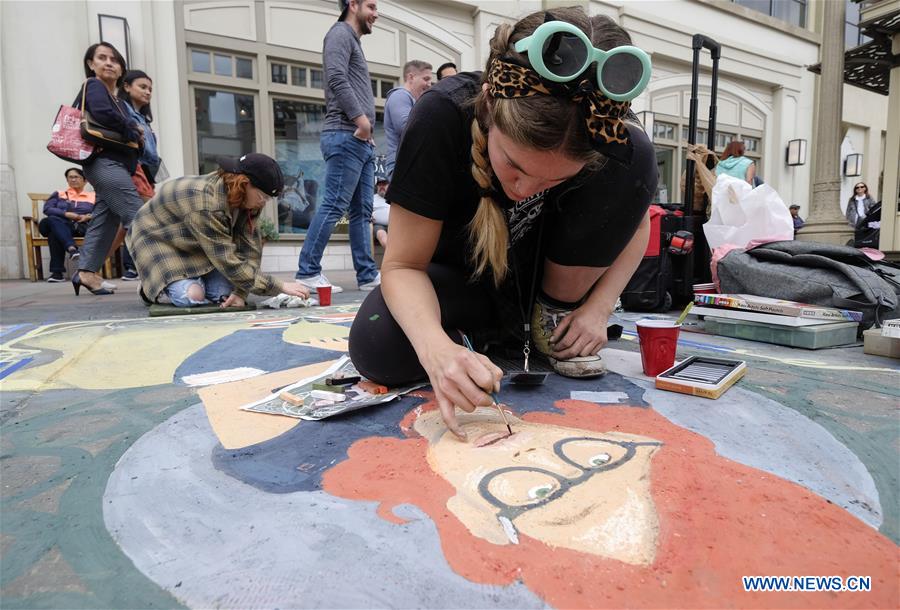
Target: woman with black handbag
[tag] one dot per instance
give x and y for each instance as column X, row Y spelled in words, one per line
column 118, row 139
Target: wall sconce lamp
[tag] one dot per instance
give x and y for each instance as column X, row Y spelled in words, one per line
column 646, row 118
column 853, row 165
column 114, row 30
column 796, row 152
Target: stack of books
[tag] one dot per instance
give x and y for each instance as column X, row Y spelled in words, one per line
column 747, row 316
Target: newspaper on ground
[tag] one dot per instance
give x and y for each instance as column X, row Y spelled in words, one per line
column 315, row 409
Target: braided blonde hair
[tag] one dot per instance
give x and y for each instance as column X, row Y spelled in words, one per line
column 540, row 122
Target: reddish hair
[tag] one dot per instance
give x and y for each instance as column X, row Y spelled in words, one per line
column 236, row 193
column 235, row 188
column 735, row 148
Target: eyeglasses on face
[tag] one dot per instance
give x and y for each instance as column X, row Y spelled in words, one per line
column 860, row 186
column 556, row 485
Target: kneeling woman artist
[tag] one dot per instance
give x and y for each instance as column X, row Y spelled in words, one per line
column 521, row 198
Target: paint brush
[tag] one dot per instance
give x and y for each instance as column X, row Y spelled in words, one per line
column 684, row 313
column 502, row 412
column 496, row 400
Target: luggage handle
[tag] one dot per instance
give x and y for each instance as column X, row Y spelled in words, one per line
column 698, row 42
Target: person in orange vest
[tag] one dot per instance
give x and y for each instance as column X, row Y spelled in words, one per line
column 66, row 214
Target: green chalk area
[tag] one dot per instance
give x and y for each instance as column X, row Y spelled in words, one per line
column 158, row 310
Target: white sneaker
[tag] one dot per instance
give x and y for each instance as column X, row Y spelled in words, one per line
column 544, row 320
column 319, row 280
column 370, row 286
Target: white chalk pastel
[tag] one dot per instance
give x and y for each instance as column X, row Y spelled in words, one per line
column 222, row 376
column 332, row 396
column 600, row 397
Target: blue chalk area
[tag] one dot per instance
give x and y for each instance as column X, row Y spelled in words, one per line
column 262, row 349
column 12, row 368
column 7, row 330
column 296, row 460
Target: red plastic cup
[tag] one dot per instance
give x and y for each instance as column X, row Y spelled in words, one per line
column 659, row 339
column 324, row 295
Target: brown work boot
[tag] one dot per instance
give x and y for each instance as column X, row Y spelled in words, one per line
column 544, row 320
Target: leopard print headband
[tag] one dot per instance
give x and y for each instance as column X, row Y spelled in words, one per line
column 603, row 116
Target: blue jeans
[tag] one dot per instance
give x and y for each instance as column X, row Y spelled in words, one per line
column 349, row 188
column 59, row 233
column 215, row 287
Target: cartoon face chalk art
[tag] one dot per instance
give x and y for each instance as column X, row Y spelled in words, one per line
column 568, row 488
column 635, row 502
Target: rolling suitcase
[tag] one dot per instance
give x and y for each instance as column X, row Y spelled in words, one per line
column 677, row 256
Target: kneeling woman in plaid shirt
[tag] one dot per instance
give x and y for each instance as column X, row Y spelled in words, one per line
column 196, row 241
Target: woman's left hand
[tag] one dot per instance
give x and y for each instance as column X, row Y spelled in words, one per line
column 581, row 333
column 295, row 289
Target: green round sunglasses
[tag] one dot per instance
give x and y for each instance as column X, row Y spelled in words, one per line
column 559, row 52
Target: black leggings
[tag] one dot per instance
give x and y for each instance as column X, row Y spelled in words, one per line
column 379, row 348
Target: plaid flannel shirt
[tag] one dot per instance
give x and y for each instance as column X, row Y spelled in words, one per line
column 187, row 230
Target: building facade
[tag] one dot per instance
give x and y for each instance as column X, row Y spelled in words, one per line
column 233, row 76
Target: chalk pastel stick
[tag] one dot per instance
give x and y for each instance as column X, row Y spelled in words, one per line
column 291, row 398
column 332, row 396
column 328, row 388
column 372, row 387
column 339, row 381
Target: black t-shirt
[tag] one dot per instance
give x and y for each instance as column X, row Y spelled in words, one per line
column 589, row 218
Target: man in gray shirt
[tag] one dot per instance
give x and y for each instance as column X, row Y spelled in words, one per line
column 348, row 149
column 398, row 103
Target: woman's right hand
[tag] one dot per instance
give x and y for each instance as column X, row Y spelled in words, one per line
column 460, row 378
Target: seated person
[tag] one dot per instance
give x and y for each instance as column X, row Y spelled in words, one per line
column 196, row 241
column 795, row 216
column 66, row 214
column 381, row 209
column 129, row 271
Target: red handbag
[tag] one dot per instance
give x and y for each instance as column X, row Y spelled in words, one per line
column 66, row 141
